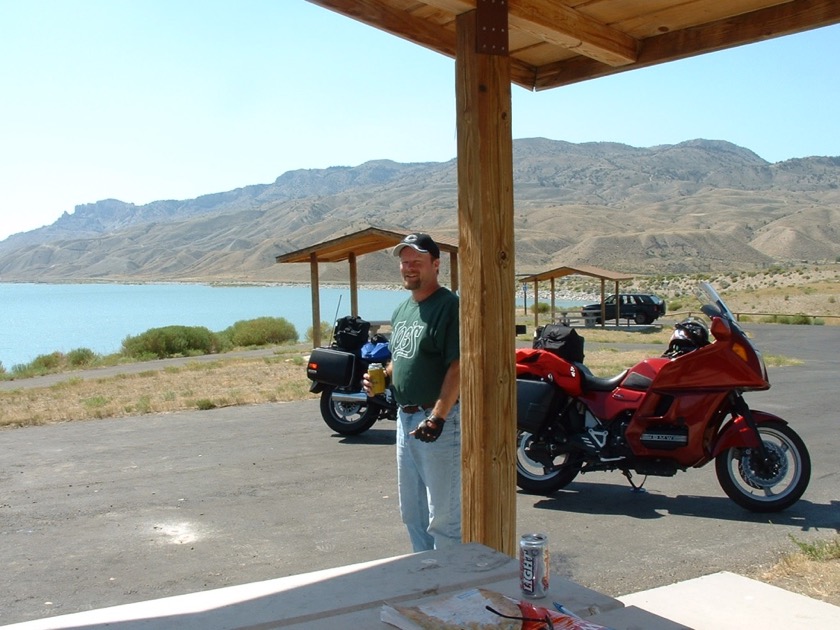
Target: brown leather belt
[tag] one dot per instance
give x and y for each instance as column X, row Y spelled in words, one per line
column 409, row 409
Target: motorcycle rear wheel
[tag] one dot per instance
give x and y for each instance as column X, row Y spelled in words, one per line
column 535, row 477
column 766, row 487
column 347, row 418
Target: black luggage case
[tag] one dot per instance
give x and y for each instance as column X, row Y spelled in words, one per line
column 332, row 367
column 536, row 403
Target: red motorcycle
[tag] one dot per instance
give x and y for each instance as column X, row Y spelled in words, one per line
column 661, row 416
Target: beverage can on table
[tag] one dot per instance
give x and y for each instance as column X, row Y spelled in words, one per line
column 533, row 565
column 376, row 375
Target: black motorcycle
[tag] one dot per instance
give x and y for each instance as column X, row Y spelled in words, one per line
column 336, row 373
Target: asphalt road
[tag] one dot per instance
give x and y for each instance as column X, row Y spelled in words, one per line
column 106, row 512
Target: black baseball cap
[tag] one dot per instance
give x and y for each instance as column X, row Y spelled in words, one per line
column 420, row 242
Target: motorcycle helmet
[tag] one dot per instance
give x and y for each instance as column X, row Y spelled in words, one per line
column 689, row 335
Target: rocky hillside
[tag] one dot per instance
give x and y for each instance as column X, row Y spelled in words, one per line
column 692, row 207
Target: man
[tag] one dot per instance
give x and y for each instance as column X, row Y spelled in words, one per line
column 425, row 374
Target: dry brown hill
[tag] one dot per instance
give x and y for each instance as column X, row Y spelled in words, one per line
column 692, row 207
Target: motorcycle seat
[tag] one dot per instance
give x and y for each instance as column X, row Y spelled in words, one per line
column 592, row 383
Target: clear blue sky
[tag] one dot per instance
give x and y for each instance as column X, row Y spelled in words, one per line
column 141, row 100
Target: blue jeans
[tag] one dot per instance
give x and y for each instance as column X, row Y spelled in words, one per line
column 429, row 481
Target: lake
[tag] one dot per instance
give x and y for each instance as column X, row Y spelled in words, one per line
column 38, row 319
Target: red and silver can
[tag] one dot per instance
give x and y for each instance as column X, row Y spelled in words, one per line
column 533, row 565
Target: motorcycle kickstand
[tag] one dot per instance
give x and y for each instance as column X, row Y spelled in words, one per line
column 636, row 488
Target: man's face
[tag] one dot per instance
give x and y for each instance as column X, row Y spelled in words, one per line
column 419, row 271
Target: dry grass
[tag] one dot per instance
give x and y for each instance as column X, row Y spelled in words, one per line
column 195, row 385
column 813, row 570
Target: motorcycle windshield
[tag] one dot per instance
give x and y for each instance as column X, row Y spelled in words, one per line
column 714, row 306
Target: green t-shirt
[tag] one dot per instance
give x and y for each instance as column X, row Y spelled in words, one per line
column 424, row 341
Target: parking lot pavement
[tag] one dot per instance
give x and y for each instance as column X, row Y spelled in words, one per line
column 112, row 511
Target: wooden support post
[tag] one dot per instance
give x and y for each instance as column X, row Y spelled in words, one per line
column 617, row 305
column 486, row 248
column 553, row 302
column 354, row 285
column 316, row 300
column 603, row 306
column 536, row 301
column 453, row 271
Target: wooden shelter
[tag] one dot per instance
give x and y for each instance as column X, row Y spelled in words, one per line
column 349, row 247
column 537, row 44
column 583, row 270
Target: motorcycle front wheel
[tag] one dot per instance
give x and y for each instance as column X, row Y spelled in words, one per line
column 766, row 486
column 347, row 418
column 536, row 474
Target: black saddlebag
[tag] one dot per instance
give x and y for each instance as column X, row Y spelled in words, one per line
column 536, row 403
column 332, row 367
column 564, row 341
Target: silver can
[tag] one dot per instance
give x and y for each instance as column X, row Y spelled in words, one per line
column 533, row 565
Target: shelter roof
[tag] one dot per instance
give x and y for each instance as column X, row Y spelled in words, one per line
column 584, row 270
column 364, row 241
column 558, row 42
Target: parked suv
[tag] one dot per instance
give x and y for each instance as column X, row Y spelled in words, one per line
column 640, row 307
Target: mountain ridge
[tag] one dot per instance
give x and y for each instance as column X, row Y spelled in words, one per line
column 696, row 206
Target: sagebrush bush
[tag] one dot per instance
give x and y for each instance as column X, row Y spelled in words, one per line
column 47, row 361
column 326, row 332
column 260, row 332
column 80, row 357
column 171, row 341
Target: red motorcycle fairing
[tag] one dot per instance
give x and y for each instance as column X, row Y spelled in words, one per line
column 696, row 416
column 731, row 362
column 532, row 362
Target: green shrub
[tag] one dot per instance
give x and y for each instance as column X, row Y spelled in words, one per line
column 81, row 357
column 262, row 331
column 799, row 320
column 542, row 308
column 46, row 362
column 171, row 341
column 326, row 332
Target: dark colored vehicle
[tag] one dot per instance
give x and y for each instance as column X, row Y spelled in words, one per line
column 642, row 308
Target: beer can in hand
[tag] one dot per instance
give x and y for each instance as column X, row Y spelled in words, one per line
column 376, row 376
column 533, row 565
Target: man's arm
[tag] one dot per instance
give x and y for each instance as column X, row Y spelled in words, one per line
column 450, row 391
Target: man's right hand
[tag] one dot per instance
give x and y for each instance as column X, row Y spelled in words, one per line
column 366, row 384
column 429, row 429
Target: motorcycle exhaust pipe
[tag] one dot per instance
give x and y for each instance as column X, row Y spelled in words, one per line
column 359, row 398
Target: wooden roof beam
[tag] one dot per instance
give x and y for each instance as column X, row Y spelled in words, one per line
column 776, row 21
column 556, row 23
column 396, row 22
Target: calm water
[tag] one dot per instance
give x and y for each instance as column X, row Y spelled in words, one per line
column 39, row 319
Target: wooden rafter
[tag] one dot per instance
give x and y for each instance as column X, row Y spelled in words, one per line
column 775, row 21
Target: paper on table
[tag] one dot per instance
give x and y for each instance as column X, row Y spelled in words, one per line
column 468, row 611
